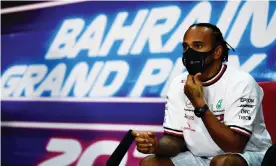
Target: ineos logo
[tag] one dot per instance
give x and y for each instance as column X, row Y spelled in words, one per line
column 244, row 111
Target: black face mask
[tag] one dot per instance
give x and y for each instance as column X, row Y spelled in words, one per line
column 194, row 61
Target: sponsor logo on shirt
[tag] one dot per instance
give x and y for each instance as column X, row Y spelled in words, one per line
column 189, row 117
column 189, row 110
column 246, row 105
column 218, row 106
column 218, row 111
column 220, row 117
column 247, row 100
column 189, row 127
column 189, row 104
column 245, row 111
column 244, row 117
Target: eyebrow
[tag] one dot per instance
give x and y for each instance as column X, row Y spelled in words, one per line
column 194, row 42
column 198, row 42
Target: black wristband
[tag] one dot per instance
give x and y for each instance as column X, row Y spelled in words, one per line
column 199, row 112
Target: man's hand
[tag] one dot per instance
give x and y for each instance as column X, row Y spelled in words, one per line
column 194, row 90
column 146, row 142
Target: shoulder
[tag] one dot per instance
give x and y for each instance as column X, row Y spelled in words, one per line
column 241, row 80
column 238, row 77
column 179, row 79
column 177, row 83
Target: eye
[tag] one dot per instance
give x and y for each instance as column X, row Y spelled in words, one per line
column 198, row 46
column 185, row 47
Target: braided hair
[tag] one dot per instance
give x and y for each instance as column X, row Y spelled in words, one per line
column 217, row 39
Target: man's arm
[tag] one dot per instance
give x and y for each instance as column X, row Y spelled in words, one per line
column 227, row 139
column 225, row 135
column 170, row 146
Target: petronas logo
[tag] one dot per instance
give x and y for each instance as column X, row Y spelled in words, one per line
column 219, row 104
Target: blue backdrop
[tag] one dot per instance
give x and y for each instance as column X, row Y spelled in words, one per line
column 62, row 64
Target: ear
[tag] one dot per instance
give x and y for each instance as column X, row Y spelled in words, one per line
column 218, row 52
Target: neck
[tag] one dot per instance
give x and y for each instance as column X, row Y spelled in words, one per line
column 211, row 71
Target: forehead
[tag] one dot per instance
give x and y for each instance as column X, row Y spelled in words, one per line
column 196, row 33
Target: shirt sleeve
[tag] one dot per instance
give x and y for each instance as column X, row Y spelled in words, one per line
column 243, row 106
column 173, row 117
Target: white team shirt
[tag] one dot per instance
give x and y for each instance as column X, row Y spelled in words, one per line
column 233, row 96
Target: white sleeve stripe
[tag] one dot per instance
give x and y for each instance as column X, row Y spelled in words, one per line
column 172, row 131
column 241, row 130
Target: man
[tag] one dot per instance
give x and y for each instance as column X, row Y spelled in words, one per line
column 213, row 115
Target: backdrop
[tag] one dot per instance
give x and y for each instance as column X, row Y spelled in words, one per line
column 76, row 77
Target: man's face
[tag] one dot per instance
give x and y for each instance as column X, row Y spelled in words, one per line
column 198, row 38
